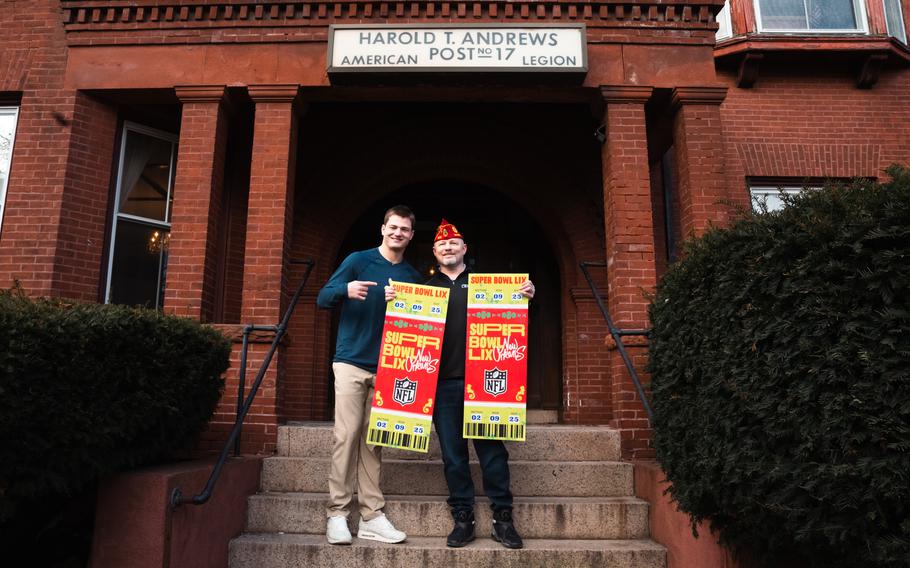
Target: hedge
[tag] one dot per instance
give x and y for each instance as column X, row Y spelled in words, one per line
column 89, row 389
column 780, row 367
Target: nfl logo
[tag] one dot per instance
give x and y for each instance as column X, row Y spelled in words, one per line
column 405, row 391
column 495, row 381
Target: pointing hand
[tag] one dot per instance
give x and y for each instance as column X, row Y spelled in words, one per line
column 357, row 289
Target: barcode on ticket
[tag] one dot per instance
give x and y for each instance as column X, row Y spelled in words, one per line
column 495, row 431
column 398, row 440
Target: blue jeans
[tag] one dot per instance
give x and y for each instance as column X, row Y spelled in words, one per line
column 448, row 417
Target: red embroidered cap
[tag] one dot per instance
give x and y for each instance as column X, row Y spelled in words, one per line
column 447, row 231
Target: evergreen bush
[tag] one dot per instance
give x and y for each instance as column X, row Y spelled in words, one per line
column 780, row 367
column 89, row 389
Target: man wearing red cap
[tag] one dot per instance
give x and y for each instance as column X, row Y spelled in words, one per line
column 449, row 249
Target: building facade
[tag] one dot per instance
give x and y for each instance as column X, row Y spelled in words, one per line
column 181, row 153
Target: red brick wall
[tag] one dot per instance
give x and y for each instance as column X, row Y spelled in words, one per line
column 197, row 217
column 630, row 251
column 84, row 214
column 813, row 122
column 699, row 160
column 52, row 234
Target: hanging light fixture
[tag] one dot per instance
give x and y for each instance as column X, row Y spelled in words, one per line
column 159, row 241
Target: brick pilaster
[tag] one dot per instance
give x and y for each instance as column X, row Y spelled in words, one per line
column 699, row 158
column 630, row 248
column 265, row 274
column 197, row 210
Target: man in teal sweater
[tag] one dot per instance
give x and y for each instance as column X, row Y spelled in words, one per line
column 355, row 286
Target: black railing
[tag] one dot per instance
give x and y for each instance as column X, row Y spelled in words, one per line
column 618, row 334
column 243, row 405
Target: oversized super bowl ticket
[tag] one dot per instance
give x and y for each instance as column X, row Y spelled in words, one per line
column 496, row 358
column 402, row 410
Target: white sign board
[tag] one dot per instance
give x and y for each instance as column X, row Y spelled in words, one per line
column 451, row 48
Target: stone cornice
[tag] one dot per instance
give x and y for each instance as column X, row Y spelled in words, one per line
column 273, row 93
column 120, row 15
column 625, row 94
column 200, row 93
column 698, row 96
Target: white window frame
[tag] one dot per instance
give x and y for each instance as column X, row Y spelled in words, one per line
column 726, row 23
column 762, row 191
column 14, row 111
column 117, row 215
column 859, row 9
column 902, row 36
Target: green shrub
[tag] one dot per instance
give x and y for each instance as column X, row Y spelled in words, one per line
column 780, row 369
column 88, row 389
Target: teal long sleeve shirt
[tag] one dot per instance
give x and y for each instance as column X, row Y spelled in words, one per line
column 360, row 327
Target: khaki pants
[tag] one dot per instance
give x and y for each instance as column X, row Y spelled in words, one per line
column 353, row 398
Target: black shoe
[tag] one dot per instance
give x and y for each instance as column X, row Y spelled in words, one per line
column 463, row 533
column 504, row 531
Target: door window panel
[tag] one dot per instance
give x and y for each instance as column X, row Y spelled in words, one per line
column 141, row 230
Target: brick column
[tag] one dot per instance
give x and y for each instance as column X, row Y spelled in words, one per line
column 196, row 215
column 629, row 249
column 265, row 273
column 699, row 156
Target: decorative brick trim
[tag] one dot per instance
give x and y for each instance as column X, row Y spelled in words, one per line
column 625, row 94
column 801, row 160
column 698, row 96
column 81, row 15
column 273, row 93
column 200, row 93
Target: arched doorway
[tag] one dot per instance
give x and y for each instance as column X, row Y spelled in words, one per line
column 501, row 237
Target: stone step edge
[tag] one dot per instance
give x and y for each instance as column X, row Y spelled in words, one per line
column 435, row 542
column 599, row 463
column 328, row 425
column 518, row 499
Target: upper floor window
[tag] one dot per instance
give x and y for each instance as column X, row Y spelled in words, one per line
column 9, row 116
column 724, row 26
column 816, row 16
column 894, row 19
column 141, row 229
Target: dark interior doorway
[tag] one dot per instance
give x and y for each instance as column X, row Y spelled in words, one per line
column 501, row 237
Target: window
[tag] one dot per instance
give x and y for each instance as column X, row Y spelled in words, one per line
column 142, row 217
column 9, row 116
column 768, row 198
column 894, row 19
column 725, row 27
column 816, row 16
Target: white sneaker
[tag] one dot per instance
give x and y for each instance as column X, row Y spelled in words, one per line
column 380, row 529
column 336, row 531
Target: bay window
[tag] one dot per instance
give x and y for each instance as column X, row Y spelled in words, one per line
column 894, row 20
column 816, row 16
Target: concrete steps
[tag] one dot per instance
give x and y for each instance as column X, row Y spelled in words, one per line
column 419, row 515
column 424, row 477
column 574, row 506
column 261, row 550
column 550, row 442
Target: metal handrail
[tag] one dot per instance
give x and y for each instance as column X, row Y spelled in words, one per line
column 618, row 334
column 233, row 440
